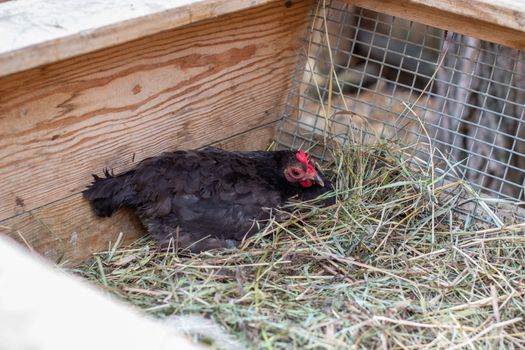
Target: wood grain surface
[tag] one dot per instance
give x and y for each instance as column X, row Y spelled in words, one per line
column 183, row 88
column 37, row 32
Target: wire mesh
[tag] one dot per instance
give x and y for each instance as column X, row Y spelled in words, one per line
column 364, row 76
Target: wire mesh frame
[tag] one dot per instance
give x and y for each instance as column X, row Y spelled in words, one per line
column 371, row 74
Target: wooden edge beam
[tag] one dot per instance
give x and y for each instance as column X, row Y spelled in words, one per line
column 501, row 22
column 36, row 32
column 504, row 13
column 46, row 309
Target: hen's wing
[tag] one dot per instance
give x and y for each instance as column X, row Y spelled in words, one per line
column 196, row 194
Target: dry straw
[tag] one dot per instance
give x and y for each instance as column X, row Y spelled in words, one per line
column 389, row 266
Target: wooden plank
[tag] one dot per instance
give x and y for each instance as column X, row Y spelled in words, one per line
column 506, row 13
column 178, row 89
column 44, row 308
column 255, row 139
column 500, row 22
column 67, row 230
column 37, row 32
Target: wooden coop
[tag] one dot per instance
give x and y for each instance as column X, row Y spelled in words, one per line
column 92, row 85
column 89, row 85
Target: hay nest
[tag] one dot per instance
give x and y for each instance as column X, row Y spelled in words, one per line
column 391, row 265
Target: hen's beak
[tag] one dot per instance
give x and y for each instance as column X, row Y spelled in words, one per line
column 317, row 179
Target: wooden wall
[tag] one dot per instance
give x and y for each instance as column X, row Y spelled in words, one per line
column 221, row 81
column 501, row 22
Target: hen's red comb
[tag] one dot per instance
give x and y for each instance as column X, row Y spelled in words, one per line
column 303, row 157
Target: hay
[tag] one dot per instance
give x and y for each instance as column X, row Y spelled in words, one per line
column 389, row 266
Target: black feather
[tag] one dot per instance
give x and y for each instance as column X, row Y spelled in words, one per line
column 201, row 199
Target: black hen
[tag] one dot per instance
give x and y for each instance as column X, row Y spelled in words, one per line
column 210, row 198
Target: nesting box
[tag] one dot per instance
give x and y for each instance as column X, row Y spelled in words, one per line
column 94, row 85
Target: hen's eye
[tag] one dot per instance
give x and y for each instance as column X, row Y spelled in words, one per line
column 296, row 172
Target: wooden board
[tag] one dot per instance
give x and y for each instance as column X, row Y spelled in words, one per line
column 183, row 88
column 37, row 32
column 44, row 308
column 502, row 22
column 68, row 231
column 178, row 89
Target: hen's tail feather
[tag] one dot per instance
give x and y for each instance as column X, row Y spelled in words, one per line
column 108, row 194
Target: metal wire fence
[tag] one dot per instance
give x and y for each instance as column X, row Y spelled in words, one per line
column 365, row 76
